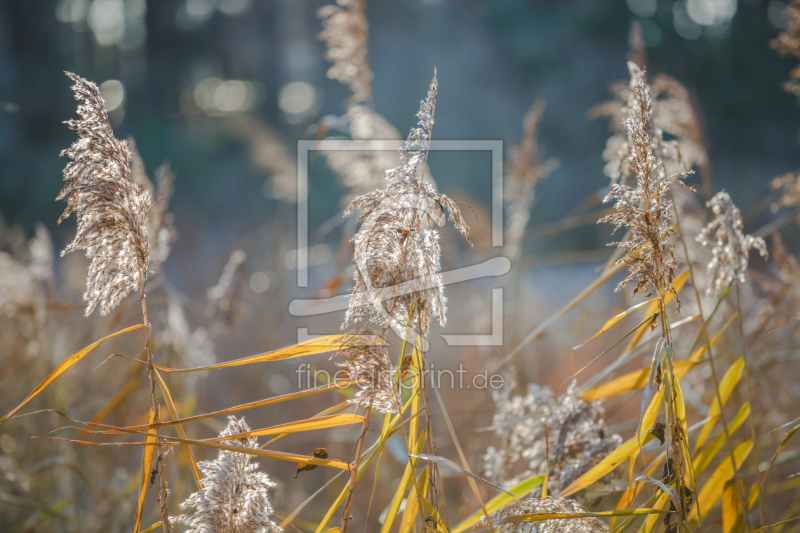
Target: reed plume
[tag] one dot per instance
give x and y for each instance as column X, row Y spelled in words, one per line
column 576, row 436
column 678, row 133
column 645, row 210
column 235, row 495
column 787, row 43
column 730, row 247
column 111, row 209
column 397, row 253
column 345, row 36
column 527, row 170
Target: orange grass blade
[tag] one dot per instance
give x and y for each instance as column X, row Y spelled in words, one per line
column 310, row 347
column 309, row 424
column 63, row 367
column 181, row 433
column 147, row 463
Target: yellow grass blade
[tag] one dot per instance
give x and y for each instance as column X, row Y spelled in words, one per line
column 613, row 320
column 519, row 491
column 329, row 411
column 367, row 456
column 144, row 479
column 632, row 381
column 244, row 407
column 420, row 488
column 596, row 284
column 712, row 490
column 701, row 461
column 726, row 386
column 677, row 285
column 309, row 424
column 181, row 433
column 63, row 367
column 175, row 441
column 651, row 521
column 615, row 458
column 464, row 464
column 434, row 513
column 408, row 475
column 731, row 509
column 310, row 347
column 153, row 527
column 784, row 441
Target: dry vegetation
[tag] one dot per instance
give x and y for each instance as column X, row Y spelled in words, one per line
column 705, row 352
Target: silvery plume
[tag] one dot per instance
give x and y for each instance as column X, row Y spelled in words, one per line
column 526, row 170
column 575, row 429
column 270, row 156
column 674, row 115
column 788, row 187
column 397, row 255
column 787, row 43
column 372, row 368
column 159, row 221
column 345, row 36
column 645, row 210
column 111, row 209
column 234, row 497
column 730, row 247
column 540, row 506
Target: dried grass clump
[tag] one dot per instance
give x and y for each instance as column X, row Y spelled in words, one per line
column 397, row 253
column 645, row 210
column 577, row 438
column 111, row 209
column 730, row 247
column 541, row 506
column 234, row 497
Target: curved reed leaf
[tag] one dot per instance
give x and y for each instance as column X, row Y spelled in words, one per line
column 63, row 367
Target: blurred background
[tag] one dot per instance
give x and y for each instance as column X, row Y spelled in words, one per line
column 224, row 89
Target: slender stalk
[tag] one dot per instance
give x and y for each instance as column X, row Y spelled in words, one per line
column 704, row 326
column 354, row 472
column 750, row 399
column 161, row 464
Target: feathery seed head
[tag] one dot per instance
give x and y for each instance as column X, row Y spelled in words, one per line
column 397, row 255
column 234, row 497
column 540, row 506
column 111, row 208
column 575, row 430
column 646, row 209
column 527, row 169
column 730, row 247
column 345, row 36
